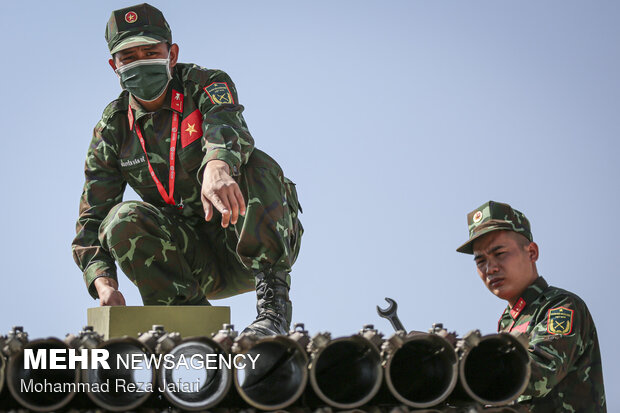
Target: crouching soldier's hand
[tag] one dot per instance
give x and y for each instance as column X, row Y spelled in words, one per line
column 107, row 289
column 220, row 190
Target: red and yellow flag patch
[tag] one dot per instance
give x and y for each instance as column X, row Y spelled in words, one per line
column 191, row 128
column 560, row 321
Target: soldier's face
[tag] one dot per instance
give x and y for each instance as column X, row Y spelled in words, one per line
column 506, row 263
column 151, row 51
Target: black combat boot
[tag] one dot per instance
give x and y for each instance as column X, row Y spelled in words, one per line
column 272, row 304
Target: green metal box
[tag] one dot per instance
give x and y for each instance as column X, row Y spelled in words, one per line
column 190, row 320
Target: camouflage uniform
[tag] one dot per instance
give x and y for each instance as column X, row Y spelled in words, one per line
column 173, row 255
column 567, row 375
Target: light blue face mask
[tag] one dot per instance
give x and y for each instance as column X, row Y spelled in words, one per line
column 146, row 79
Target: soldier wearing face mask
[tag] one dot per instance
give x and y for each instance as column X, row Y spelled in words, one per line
column 217, row 216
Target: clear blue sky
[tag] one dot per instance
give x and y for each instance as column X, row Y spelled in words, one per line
column 395, row 119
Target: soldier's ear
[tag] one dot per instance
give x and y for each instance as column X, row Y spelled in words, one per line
column 112, row 64
column 174, row 54
column 532, row 251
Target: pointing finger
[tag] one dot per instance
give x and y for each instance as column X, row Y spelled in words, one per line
column 223, row 206
column 239, row 196
column 232, row 200
column 208, row 208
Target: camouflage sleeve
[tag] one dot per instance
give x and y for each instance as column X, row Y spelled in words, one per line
column 556, row 343
column 225, row 134
column 103, row 189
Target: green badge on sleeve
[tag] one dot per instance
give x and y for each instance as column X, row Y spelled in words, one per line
column 560, row 321
column 219, row 93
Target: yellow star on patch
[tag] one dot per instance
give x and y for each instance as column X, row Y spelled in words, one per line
column 190, row 129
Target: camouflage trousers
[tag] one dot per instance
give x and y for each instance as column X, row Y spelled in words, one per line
column 179, row 260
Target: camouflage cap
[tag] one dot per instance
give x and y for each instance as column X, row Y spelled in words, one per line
column 494, row 216
column 136, row 26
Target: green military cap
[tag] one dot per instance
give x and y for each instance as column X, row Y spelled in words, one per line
column 136, row 26
column 494, row 216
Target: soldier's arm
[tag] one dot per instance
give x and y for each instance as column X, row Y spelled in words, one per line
column 225, row 133
column 556, row 342
column 226, row 143
column 103, row 188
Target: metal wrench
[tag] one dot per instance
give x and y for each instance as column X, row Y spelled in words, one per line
column 390, row 314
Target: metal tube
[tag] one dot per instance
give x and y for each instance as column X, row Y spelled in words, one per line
column 346, row 372
column 2, row 372
column 58, row 386
column 127, row 388
column 197, row 384
column 279, row 375
column 420, row 369
column 495, row 370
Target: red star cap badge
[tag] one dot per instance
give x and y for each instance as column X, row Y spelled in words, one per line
column 131, row 17
column 478, row 217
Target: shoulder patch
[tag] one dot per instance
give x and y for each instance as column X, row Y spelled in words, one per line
column 560, row 321
column 219, row 93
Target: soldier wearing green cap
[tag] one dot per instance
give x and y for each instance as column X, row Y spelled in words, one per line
column 217, row 216
column 567, row 375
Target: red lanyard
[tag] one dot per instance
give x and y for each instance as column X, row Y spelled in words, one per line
column 174, row 135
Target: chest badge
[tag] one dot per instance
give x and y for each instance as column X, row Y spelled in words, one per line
column 219, row 93
column 560, row 321
column 191, row 128
column 177, row 101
